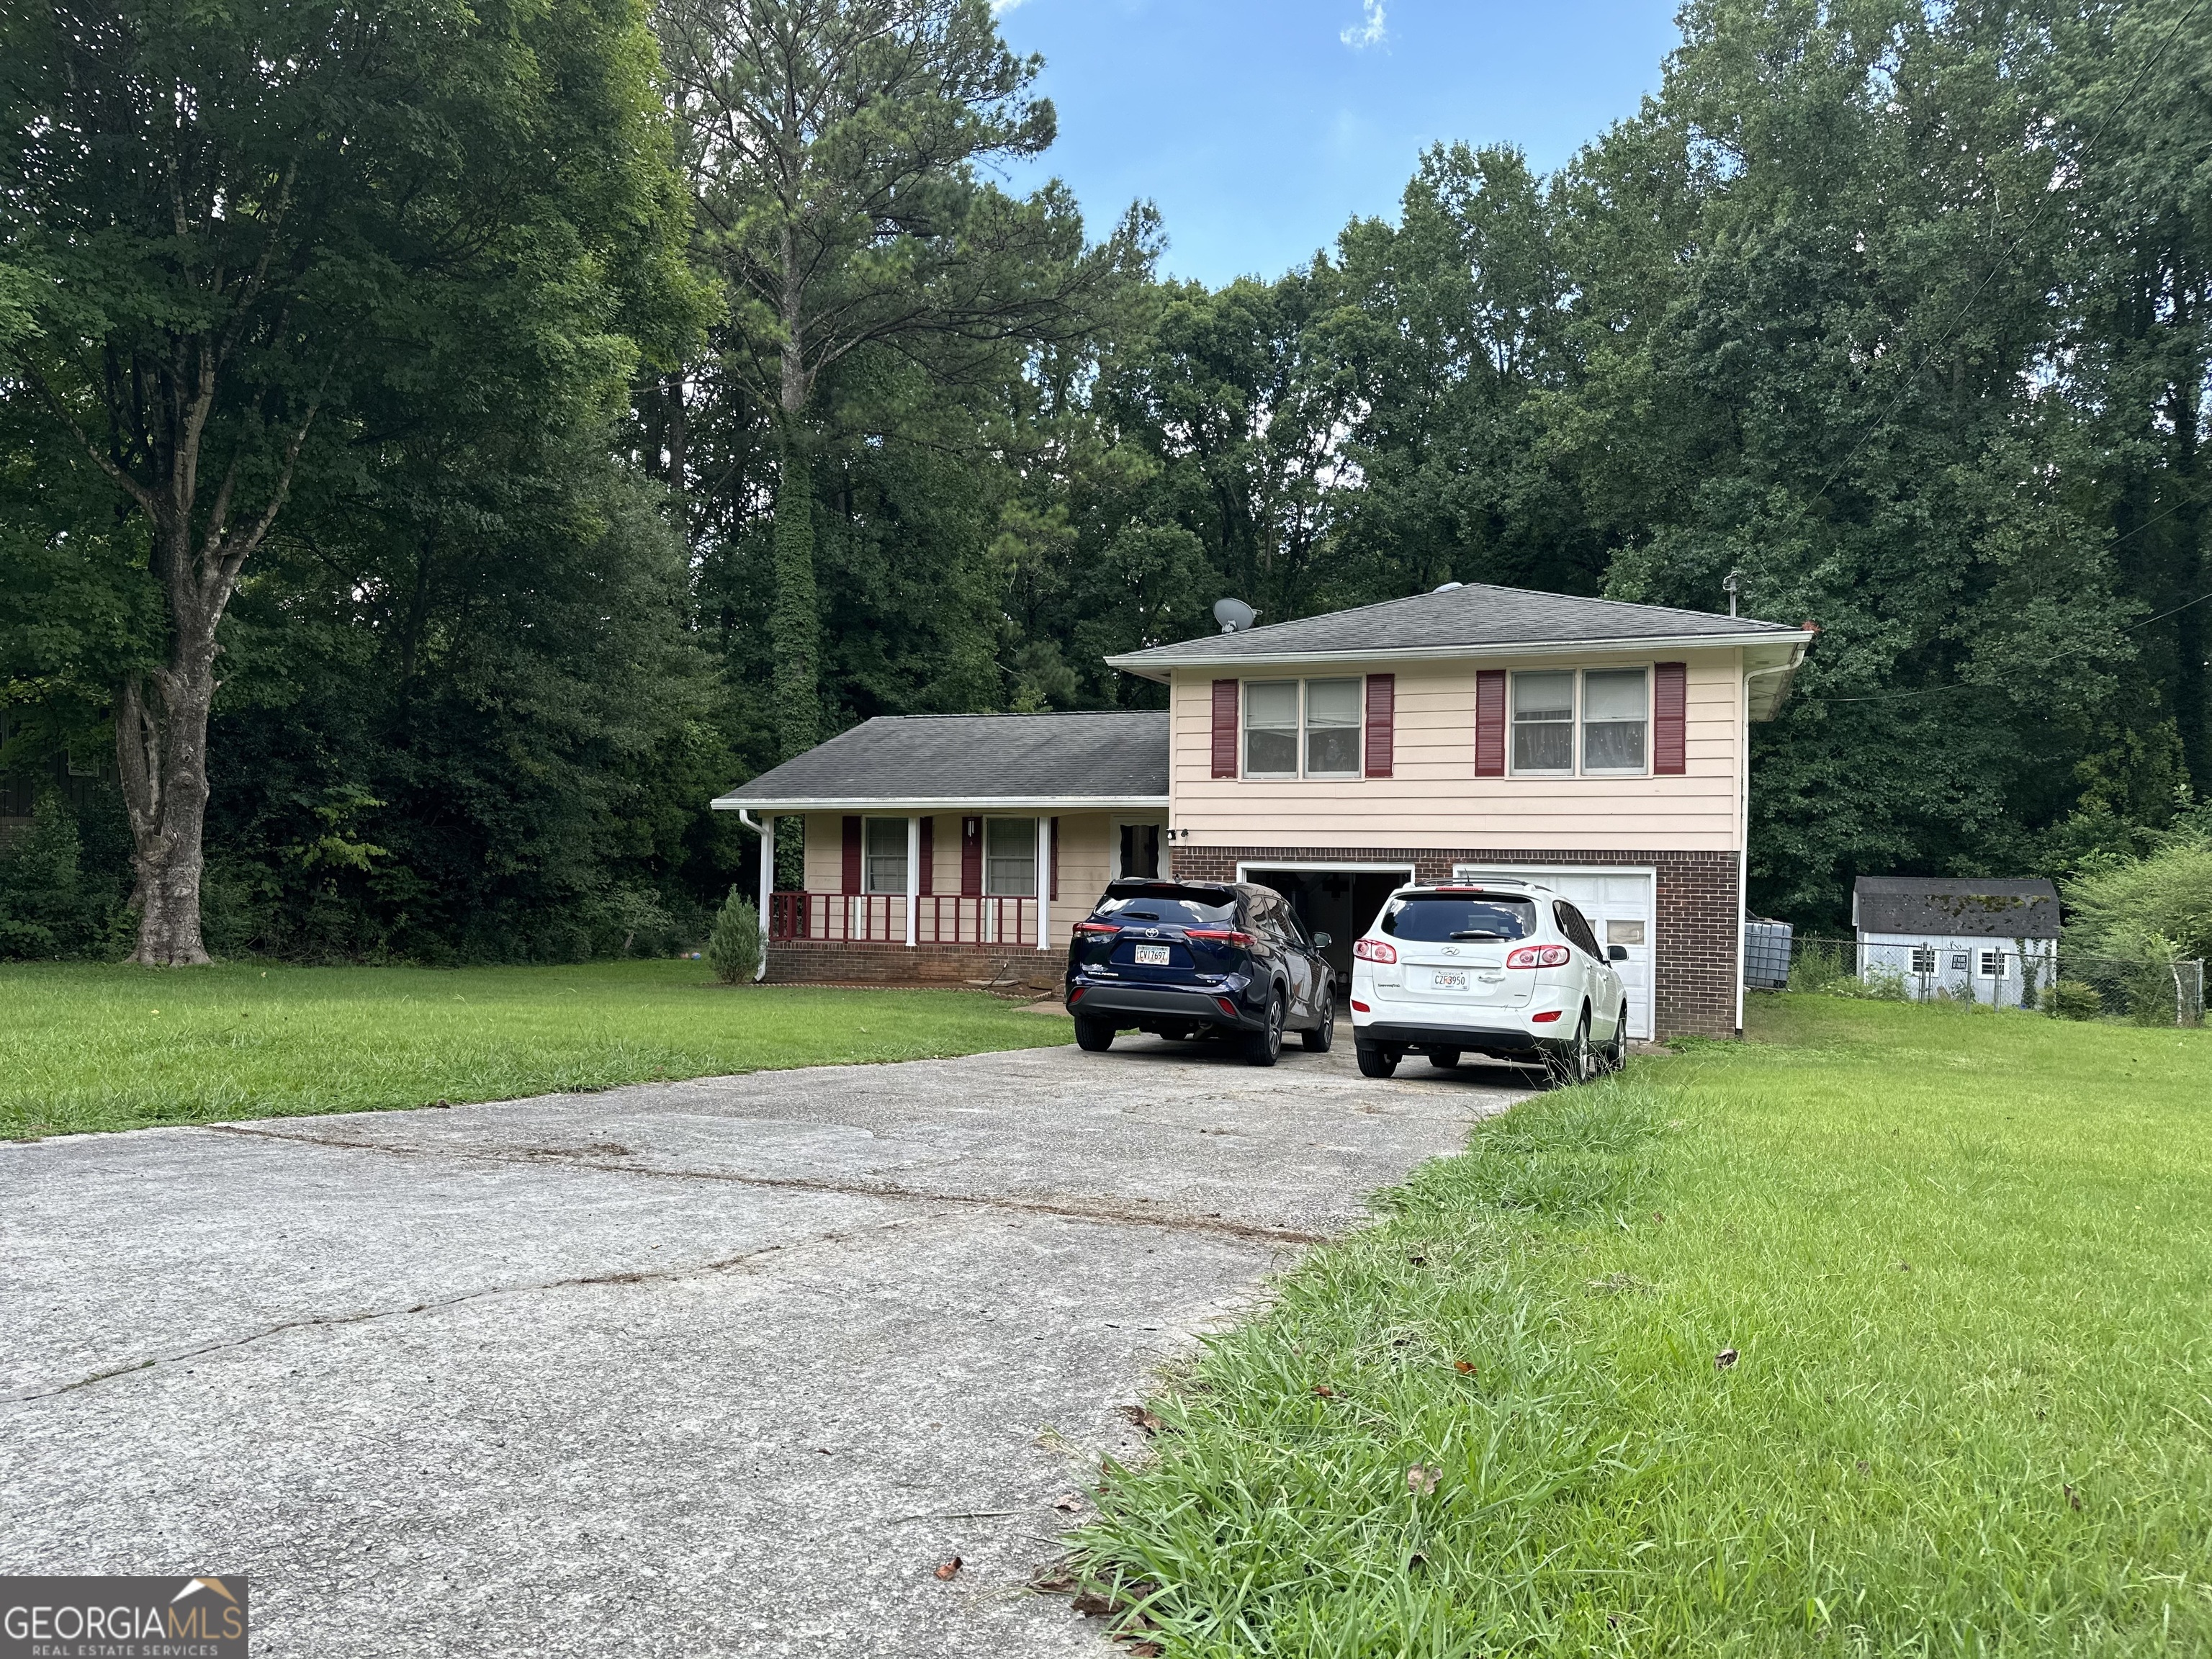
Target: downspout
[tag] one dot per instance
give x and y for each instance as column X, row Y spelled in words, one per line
column 767, row 834
column 1743, row 830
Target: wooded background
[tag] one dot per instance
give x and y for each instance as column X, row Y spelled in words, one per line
column 635, row 400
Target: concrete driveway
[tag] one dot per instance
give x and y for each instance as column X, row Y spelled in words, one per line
column 721, row 1366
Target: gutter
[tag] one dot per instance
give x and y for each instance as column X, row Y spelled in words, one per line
column 890, row 808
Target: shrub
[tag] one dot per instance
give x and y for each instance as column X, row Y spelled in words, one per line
column 734, row 947
column 2168, row 895
column 44, row 908
column 1878, row 984
column 2072, row 999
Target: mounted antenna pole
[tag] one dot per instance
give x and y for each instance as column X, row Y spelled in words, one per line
column 1732, row 586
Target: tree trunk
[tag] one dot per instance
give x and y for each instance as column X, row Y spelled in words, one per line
column 160, row 752
column 795, row 624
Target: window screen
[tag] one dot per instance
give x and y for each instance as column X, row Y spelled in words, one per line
column 1010, row 857
column 886, row 856
column 1271, row 728
column 1544, row 722
column 1614, row 708
column 1332, row 728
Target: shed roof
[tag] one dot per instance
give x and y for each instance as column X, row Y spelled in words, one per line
column 953, row 760
column 1932, row 907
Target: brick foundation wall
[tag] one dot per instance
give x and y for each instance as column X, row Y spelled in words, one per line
column 1694, row 958
column 818, row 961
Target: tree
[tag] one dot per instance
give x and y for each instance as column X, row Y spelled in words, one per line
column 833, row 146
column 237, row 224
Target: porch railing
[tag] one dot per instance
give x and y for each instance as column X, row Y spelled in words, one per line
column 880, row 919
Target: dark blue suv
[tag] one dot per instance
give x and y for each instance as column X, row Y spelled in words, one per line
column 1190, row 959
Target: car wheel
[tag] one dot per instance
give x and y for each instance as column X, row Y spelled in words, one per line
column 1374, row 1062
column 1443, row 1058
column 1262, row 1046
column 1324, row 1032
column 1616, row 1052
column 1582, row 1059
column 1096, row 1036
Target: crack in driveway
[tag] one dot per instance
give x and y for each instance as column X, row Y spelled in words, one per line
column 627, row 1276
column 1138, row 1212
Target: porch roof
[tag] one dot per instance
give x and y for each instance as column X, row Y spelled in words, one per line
column 901, row 763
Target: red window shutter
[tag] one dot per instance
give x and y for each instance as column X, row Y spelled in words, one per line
column 852, row 854
column 1053, row 890
column 1670, row 719
column 1381, row 715
column 1490, row 723
column 928, row 856
column 1224, row 728
column 971, row 856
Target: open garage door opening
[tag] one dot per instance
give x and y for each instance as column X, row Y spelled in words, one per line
column 1340, row 902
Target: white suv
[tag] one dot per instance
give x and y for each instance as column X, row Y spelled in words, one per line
column 1506, row 969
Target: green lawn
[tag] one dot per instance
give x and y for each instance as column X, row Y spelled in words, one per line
column 1964, row 1258
column 84, row 1047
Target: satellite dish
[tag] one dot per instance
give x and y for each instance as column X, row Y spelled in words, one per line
column 1447, row 587
column 1234, row 615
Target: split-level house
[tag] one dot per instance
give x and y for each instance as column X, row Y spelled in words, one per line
column 1600, row 747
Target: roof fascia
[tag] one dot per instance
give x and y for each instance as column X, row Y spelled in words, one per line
column 908, row 808
column 1145, row 666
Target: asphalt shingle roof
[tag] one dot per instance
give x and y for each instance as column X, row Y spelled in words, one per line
column 1474, row 616
column 1956, row 906
column 954, row 758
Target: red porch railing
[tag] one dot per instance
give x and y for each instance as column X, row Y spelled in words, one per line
column 880, row 919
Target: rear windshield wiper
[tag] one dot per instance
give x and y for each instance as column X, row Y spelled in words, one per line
column 1476, row 933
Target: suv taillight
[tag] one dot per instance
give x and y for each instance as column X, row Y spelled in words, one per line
column 1228, row 936
column 1374, row 950
column 1097, row 928
column 1539, row 955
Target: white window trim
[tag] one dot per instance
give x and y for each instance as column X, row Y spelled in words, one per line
column 1037, row 877
column 1299, row 731
column 1574, row 723
column 1982, row 953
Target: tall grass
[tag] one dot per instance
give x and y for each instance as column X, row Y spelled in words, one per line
column 1887, row 1335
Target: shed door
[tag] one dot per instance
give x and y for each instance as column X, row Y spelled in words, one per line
column 1621, row 908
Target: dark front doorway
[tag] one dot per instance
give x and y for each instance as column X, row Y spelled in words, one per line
column 1140, row 850
column 1338, row 903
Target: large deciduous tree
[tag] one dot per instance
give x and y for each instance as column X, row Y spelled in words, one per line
column 232, row 224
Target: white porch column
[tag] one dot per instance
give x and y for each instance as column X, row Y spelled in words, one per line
column 767, row 887
column 912, row 881
column 1044, row 881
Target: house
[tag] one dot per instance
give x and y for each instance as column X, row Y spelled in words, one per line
column 1992, row 941
column 1598, row 746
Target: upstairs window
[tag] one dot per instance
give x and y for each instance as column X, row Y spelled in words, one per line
column 1596, row 721
column 1302, row 728
column 1544, row 722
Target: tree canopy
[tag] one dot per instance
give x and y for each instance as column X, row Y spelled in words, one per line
column 766, row 410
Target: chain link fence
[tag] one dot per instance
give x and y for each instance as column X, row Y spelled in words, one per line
column 2038, row 976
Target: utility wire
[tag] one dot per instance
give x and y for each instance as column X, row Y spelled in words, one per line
column 1905, row 386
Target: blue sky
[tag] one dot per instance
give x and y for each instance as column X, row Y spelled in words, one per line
column 1260, row 126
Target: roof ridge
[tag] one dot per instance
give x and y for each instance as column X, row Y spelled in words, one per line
column 1008, row 715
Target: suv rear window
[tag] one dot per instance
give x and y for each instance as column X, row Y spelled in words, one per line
column 1177, row 908
column 1438, row 916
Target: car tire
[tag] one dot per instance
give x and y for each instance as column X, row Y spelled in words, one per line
column 1262, row 1047
column 1581, row 1059
column 1374, row 1062
column 1443, row 1058
column 1317, row 1041
column 1094, row 1036
column 1615, row 1054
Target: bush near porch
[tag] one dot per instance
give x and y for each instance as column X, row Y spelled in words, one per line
column 100, row 1048
column 1883, row 1331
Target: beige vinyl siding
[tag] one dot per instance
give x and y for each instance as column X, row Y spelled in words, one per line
column 1086, row 863
column 825, row 853
column 1433, row 797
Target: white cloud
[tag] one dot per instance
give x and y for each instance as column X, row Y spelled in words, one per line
column 1369, row 32
column 999, row 7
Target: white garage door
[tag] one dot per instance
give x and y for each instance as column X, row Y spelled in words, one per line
column 1620, row 905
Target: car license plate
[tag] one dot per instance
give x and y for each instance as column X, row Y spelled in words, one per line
column 1448, row 982
column 1151, row 956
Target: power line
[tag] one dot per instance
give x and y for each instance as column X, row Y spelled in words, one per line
column 1905, row 386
